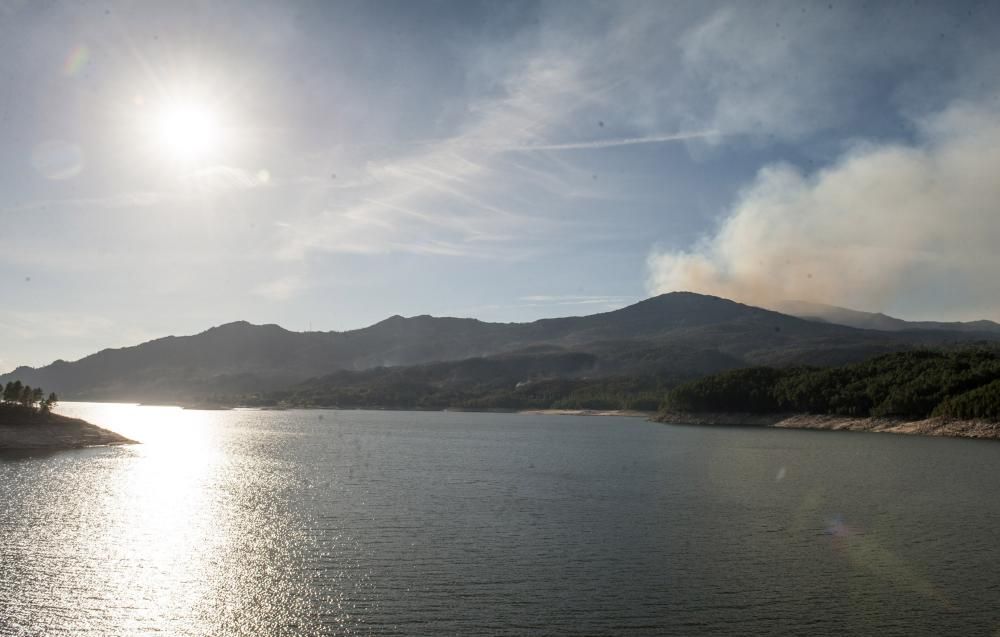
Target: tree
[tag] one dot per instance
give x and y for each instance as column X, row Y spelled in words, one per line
column 26, row 396
column 17, row 395
column 50, row 402
column 12, row 393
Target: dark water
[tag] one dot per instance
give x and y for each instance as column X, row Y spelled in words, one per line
column 316, row 523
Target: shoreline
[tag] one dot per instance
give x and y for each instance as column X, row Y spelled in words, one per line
column 55, row 433
column 627, row 413
column 630, row 413
column 935, row 426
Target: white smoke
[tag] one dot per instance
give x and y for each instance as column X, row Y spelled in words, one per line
column 884, row 223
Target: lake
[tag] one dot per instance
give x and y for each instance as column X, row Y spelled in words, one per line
column 406, row 523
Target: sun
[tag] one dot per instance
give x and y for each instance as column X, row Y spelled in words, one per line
column 188, row 130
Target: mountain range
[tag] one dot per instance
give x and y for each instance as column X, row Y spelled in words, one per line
column 674, row 336
column 877, row 321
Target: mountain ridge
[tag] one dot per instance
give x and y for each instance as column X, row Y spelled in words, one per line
column 674, row 334
column 877, row 320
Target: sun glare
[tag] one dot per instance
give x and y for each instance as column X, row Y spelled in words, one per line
column 188, row 130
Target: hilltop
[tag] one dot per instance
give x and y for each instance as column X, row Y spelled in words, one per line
column 674, row 336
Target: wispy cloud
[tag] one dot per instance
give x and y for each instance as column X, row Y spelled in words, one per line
column 613, row 143
column 280, row 289
column 549, row 299
column 461, row 195
column 205, row 181
column 446, row 199
column 221, row 178
column 547, row 305
column 121, row 200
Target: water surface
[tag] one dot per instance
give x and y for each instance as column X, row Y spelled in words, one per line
column 346, row 522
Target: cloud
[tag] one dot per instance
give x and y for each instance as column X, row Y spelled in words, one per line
column 193, row 186
column 886, row 222
column 689, row 75
column 614, row 143
column 122, row 200
column 571, row 299
column 495, row 188
column 280, row 289
column 451, row 196
column 57, row 159
column 221, row 178
column 789, row 70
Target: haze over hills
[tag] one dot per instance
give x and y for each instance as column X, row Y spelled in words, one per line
column 676, row 336
column 876, row 320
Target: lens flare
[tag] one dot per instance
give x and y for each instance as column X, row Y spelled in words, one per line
column 57, row 159
column 76, row 60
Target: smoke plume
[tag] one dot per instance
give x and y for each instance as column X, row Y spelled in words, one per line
column 886, row 224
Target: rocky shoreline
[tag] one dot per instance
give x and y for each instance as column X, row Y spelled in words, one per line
column 54, row 433
column 946, row 427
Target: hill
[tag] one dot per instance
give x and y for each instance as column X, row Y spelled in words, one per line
column 531, row 379
column 919, row 384
column 673, row 335
column 879, row 321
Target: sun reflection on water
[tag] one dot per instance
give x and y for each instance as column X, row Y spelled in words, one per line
column 158, row 519
column 188, row 532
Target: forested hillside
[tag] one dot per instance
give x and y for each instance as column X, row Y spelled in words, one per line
column 964, row 383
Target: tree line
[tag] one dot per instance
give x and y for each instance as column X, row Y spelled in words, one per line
column 27, row 397
column 914, row 384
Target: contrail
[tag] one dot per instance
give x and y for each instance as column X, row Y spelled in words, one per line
column 611, row 143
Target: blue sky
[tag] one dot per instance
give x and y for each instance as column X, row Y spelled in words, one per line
column 346, row 161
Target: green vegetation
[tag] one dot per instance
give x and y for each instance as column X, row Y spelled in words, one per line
column 982, row 402
column 391, row 392
column 26, row 399
column 533, row 380
column 916, row 384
